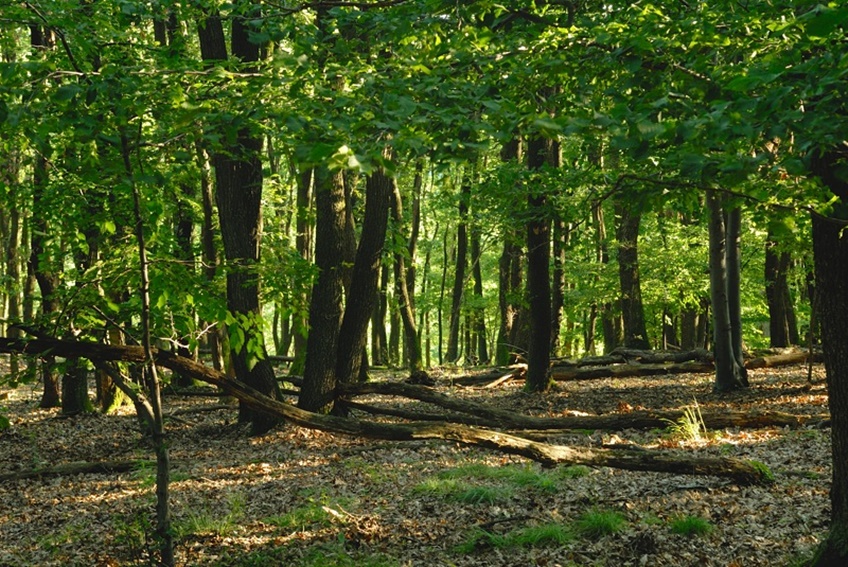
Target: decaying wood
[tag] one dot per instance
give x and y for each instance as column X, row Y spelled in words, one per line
column 783, row 359
column 737, row 470
column 66, row 469
column 629, row 369
column 493, row 417
column 494, row 377
column 628, row 355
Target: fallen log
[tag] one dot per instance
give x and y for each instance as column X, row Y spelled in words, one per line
column 630, row 370
column 737, row 470
column 65, row 469
column 646, row 419
column 627, row 370
column 783, row 359
column 628, row 355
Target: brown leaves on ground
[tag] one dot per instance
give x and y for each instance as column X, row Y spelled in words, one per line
column 302, row 497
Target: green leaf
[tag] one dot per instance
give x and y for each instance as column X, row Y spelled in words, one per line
column 67, row 92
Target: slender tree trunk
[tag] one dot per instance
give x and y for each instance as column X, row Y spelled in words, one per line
column 210, row 251
column 509, row 274
column 733, row 251
column 730, row 375
column 538, row 272
column 479, row 309
column 632, row 310
column 404, row 298
column 379, row 337
column 304, row 244
column 452, row 354
column 561, row 234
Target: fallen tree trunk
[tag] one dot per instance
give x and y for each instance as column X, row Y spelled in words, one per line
column 493, row 417
column 737, row 470
column 783, row 359
column 627, row 370
column 66, row 469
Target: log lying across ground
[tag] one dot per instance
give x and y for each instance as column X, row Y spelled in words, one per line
column 737, row 470
column 636, row 366
column 493, row 417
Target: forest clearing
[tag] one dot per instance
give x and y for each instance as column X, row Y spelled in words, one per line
column 301, row 497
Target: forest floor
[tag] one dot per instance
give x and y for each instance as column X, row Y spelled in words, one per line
column 306, row 498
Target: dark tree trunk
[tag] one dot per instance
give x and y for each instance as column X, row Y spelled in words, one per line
column 632, row 310
column 733, row 251
column 730, row 374
column 365, row 275
column 561, row 234
column 509, row 274
column 379, row 337
column 479, row 306
column 830, row 249
column 538, row 272
column 783, row 326
column 238, row 173
column 41, row 263
column 452, row 354
column 404, row 298
column 325, row 309
column 303, row 243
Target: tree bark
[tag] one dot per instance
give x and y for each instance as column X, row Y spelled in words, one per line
column 830, row 250
column 238, row 175
column 325, row 308
column 730, row 374
column 632, row 310
column 404, row 297
column 452, row 354
column 365, row 275
column 538, row 271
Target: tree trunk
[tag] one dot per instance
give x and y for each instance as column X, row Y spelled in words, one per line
column 325, row 309
column 632, row 310
column 303, row 243
column 479, row 313
column 452, row 354
column 561, row 234
column 404, row 298
column 238, row 175
column 730, row 374
column 830, row 249
column 538, row 271
column 365, row 276
column 508, row 287
column 379, row 337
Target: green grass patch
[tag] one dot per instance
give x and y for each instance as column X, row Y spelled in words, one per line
column 521, row 476
column 317, row 513
column 459, row 491
column 207, row 521
column 599, row 523
column 573, row 471
column 691, row 526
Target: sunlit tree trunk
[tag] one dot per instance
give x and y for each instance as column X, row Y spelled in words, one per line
column 452, row 354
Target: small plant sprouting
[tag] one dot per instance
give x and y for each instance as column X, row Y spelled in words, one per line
column 690, row 426
column 691, row 526
column 531, row 536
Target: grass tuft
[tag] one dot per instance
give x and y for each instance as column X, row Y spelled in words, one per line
column 598, row 523
column 691, row 526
